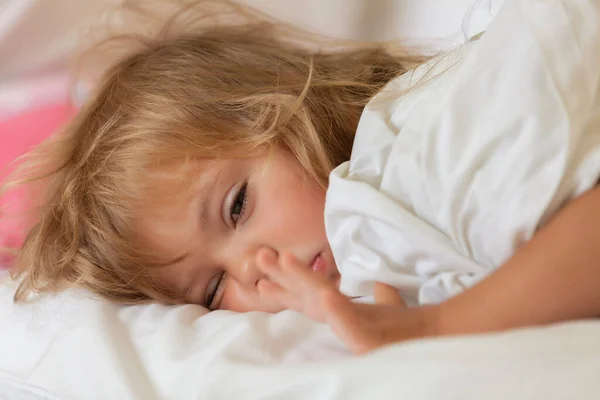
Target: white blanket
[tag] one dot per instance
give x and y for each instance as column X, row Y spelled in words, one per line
column 446, row 182
column 524, row 93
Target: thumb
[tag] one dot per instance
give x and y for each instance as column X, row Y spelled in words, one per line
column 386, row 294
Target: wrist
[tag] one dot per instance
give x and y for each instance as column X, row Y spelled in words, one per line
column 433, row 320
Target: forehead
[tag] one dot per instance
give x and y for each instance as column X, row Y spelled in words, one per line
column 176, row 179
column 165, row 212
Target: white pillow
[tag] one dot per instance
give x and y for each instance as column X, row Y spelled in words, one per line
column 75, row 347
column 71, row 342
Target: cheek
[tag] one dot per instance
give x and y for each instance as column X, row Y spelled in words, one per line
column 238, row 299
column 292, row 208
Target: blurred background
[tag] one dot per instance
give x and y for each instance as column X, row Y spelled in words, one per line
column 36, row 36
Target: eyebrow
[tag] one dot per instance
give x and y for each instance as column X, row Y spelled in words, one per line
column 203, row 217
column 205, row 189
column 186, row 291
column 205, row 192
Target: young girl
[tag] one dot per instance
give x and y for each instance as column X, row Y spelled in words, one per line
column 198, row 174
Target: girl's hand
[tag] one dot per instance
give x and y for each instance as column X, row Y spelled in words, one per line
column 363, row 327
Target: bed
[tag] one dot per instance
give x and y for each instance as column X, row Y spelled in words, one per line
column 76, row 346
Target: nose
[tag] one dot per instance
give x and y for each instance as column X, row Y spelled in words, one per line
column 246, row 272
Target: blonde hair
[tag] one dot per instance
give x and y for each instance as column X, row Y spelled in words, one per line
column 217, row 90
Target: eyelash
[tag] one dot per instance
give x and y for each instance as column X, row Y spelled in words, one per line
column 241, row 195
column 211, row 299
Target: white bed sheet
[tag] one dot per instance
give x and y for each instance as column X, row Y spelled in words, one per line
column 75, row 347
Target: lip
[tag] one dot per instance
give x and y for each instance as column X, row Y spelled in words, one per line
column 319, row 264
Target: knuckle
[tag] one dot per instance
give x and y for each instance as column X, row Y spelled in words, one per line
column 329, row 296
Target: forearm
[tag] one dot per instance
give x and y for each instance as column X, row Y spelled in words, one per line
column 554, row 277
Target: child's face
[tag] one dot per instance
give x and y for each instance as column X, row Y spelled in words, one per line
column 240, row 206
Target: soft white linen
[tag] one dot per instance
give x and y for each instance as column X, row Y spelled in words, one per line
column 446, row 182
column 75, row 347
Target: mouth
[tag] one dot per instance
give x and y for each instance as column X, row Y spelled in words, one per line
column 319, row 264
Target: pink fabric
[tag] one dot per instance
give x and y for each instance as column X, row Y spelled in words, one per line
column 18, row 135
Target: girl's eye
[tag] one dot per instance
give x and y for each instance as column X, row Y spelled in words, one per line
column 238, row 205
column 213, row 291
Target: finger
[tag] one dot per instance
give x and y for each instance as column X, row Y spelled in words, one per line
column 268, row 261
column 346, row 321
column 386, row 294
column 301, row 274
